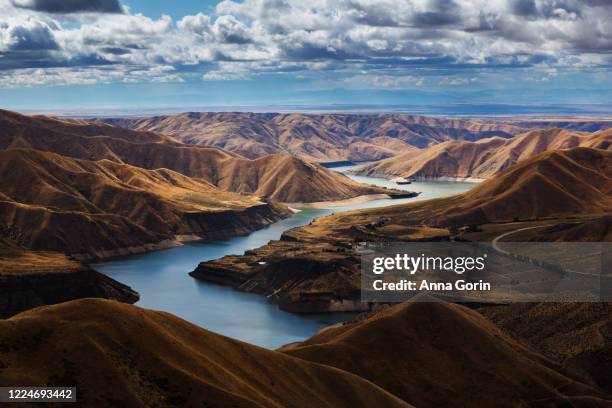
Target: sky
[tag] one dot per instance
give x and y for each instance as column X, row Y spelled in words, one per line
column 436, row 56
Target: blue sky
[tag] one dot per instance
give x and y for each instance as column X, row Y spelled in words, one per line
column 436, row 56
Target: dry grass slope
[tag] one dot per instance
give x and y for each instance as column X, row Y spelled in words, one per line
column 321, row 138
column 120, row 355
column 439, row 354
column 77, row 206
column 483, row 158
column 228, row 171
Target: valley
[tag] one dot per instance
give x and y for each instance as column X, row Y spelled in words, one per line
column 160, row 277
column 90, row 210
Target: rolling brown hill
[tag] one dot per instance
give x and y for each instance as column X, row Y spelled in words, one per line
column 86, row 207
column 121, row 355
column 554, row 183
column 95, row 141
column 438, row 354
column 483, row 158
column 321, row 138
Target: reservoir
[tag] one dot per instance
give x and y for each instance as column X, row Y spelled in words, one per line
column 162, row 279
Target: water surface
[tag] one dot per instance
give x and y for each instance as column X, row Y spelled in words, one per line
column 163, row 283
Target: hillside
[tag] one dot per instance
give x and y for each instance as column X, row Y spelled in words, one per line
column 575, row 334
column 439, row 354
column 29, row 279
column 554, row 183
column 86, row 207
column 289, row 179
column 321, row 138
column 120, row 355
column 94, row 141
column 483, row 158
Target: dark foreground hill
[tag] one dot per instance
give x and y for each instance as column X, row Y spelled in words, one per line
column 438, row 354
column 579, row 336
column 121, row 355
column 424, row 354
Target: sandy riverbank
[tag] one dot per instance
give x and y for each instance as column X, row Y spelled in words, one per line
column 338, row 203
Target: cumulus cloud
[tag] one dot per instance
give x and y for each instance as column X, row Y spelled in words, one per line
column 386, row 38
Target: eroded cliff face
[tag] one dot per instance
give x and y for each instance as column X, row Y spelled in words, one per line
column 194, row 225
column 307, row 271
column 230, row 223
column 27, row 290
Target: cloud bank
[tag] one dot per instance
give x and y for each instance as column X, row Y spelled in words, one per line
column 384, row 41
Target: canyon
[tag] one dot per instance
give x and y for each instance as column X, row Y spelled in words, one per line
column 315, row 268
column 74, row 191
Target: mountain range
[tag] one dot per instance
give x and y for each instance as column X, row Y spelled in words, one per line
column 121, row 355
column 269, row 175
column 83, row 207
column 482, row 158
column 76, row 189
column 319, row 138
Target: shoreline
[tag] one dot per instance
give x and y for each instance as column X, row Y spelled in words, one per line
column 337, row 203
column 390, row 177
column 178, row 240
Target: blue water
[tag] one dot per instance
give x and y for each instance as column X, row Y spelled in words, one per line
column 163, row 282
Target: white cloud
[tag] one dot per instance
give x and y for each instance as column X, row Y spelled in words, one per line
column 242, row 39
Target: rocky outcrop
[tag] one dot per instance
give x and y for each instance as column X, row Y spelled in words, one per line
column 27, row 290
column 305, row 272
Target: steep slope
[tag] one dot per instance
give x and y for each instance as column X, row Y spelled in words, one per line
column 322, row 138
column 483, row 158
column 554, row 183
column 120, row 355
column 289, row 179
column 578, row 335
column 29, row 279
column 91, row 141
column 84, row 207
column 439, row 354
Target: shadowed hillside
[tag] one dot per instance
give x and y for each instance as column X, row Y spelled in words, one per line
column 483, row 158
column 94, row 141
column 579, row 336
column 29, row 279
column 85, row 207
column 438, row 354
column 120, row 355
column 322, row 138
